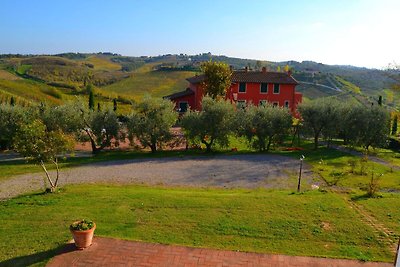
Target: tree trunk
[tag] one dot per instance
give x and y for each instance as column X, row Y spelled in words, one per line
column 269, row 142
column 153, row 148
column 294, row 135
column 52, row 185
column 316, row 136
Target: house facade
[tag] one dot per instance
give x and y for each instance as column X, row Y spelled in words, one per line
column 255, row 87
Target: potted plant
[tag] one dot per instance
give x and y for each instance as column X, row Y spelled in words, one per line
column 82, row 232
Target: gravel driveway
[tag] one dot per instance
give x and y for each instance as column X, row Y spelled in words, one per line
column 244, row 171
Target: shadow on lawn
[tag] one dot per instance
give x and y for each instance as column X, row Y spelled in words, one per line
column 38, row 257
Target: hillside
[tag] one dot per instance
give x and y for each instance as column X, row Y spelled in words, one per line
column 58, row 78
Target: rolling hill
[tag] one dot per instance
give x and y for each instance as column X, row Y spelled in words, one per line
column 58, row 78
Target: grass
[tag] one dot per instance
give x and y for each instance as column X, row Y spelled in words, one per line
column 156, row 83
column 310, row 224
column 29, row 91
column 348, row 85
column 334, row 167
column 385, row 209
column 23, row 69
column 101, row 63
column 6, row 75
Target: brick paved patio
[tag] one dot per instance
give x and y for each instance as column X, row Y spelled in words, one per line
column 114, row 252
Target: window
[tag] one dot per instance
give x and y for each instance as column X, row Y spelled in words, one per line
column 183, row 106
column 263, row 103
column 276, row 88
column 241, row 104
column 242, row 87
column 286, row 103
column 264, row 88
column 275, row 104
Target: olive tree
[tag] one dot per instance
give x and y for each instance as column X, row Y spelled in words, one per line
column 371, row 127
column 213, row 124
column 262, row 124
column 36, row 142
column 320, row 116
column 101, row 127
column 150, row 122
column 11, row 119
column 69, row 118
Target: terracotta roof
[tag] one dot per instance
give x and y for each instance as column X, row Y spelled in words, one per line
column 253, row 77
column 196, row 79
column 180, row 94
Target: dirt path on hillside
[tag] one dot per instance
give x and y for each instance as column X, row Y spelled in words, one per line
column 241, row 171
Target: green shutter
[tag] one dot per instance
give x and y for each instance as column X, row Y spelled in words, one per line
column 242, row 87
column 276, row 88
column 264, row 88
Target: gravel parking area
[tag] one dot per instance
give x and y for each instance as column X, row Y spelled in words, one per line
column 241, row 171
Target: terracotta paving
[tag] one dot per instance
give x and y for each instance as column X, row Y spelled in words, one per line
column 115, row 252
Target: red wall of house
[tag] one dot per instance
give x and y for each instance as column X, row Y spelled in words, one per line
column 198, row 95
column 253, row 94
column 189, row 99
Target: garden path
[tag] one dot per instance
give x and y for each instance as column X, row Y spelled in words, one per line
column 114, row 252
column 229, row 171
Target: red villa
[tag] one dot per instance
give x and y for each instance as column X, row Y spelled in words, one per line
column 256, row 87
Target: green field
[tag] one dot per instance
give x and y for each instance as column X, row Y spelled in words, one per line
column 6, row 75
column 101, row 63
column 28, row 91
column 310, row 224
column 155, row 83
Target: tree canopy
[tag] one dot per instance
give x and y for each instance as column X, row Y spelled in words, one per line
column 151, row 120
column 211, row 125
column 217, row 78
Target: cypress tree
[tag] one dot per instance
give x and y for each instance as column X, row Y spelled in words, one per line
column 98, row 107
column 380, row 101
column 394, row 126
column 12, row 101
column 91, row 100
column 115, row 104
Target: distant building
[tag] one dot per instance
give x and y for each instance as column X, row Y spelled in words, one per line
column 256, row 87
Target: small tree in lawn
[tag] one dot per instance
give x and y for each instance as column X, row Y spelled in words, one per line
column 35, row 142
column 217, row 78
column 151, row 121
column 212, row 125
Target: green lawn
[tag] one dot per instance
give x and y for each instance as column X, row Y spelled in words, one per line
column 385, row 209
column 312, row 224
column 335, row 168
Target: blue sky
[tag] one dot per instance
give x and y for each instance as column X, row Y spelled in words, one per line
column 354, row 32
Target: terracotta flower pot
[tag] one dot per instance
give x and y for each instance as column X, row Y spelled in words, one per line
column 83, row 239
